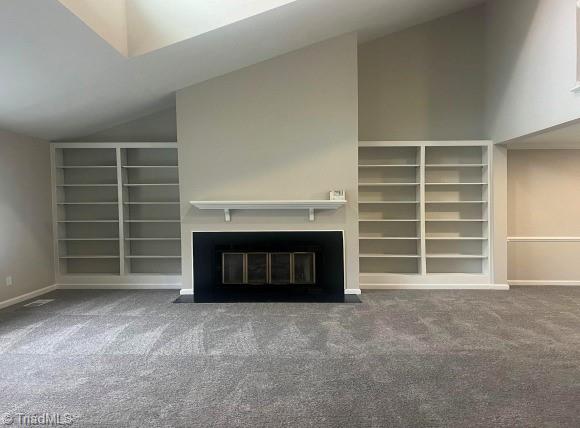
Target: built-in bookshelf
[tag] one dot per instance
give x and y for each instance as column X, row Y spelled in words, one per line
column 151, row 210
column 116, row 209
column 389, row 209
column 424, row 212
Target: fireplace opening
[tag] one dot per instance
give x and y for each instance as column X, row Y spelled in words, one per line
column 268, row 266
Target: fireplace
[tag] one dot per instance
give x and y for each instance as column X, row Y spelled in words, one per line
column 268, row 266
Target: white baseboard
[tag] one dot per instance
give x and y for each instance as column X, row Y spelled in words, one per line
column 186, row 292
column 27, row 296
column 499, row 287
column 119, row 286
column 540, row 283
column 353, row 291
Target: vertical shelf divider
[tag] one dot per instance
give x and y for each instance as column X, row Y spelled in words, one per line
column 488, row 232
column 120, row 200
column 54, row 158
column 422, row 210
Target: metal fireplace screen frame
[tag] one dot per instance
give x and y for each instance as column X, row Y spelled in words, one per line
column 269, row 280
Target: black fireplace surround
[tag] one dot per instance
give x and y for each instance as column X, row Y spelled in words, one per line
column 326, row 249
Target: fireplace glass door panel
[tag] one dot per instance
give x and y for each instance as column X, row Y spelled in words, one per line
column 280, row 268
column 257, row 268
column 233, row 268
column 268, row 268
column 304, row 268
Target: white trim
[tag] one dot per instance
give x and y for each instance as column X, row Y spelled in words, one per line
column 27, row 296
column 539, row 283
column 186, row 292
column 576, row 88
column 54, row 211
column 543, row 239
column 353, row 291
column 422, row 210
column 119, row 286
column 424, row 143
column 120, row 211
column 491, row 213
column 113, row 145
column 434, row 286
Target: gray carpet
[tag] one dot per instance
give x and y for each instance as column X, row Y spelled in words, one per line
column 399, row 359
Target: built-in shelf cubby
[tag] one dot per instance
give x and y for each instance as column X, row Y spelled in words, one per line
column 151, row 210
column 116, row 209
column 423, row 211
column 389, row 209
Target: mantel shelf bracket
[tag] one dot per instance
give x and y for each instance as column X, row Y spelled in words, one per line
column 309, row 205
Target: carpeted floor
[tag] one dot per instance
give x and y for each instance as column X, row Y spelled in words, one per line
column 399, row 359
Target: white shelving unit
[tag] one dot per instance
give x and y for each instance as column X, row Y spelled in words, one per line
column 151, row 210
column 424, row 213
column 116, row 212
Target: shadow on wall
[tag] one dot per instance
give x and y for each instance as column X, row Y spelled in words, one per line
column 518, row 16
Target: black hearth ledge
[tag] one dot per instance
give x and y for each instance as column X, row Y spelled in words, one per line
column 270, row 297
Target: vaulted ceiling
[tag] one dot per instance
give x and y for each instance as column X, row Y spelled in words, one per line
column 60, row 78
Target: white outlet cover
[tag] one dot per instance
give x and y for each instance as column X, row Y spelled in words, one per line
column 9, row 281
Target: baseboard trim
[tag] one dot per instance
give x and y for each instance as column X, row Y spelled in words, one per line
column 186, row 292
column 119, row 286
column 539, row 283
column 353, row 291
column 27, row 296
column 497, row 287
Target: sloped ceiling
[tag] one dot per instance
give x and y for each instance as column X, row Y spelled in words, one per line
column 59, row 79
column 562, row 137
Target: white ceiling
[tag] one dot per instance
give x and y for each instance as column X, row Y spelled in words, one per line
column 59, row 79
column 564, row 137
column 154, row 24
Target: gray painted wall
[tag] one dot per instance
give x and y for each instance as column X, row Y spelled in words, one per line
column 282, row 129
column 425, row 83
column 26, row 248
column 160, row 126
column 531, row 66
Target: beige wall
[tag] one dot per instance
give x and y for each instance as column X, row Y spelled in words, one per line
column 282, row 129
column 544, row 201
column 531, row 66
column 425, row 83
column 26, row 247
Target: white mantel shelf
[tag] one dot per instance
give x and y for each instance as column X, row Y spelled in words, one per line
column 309, row 205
